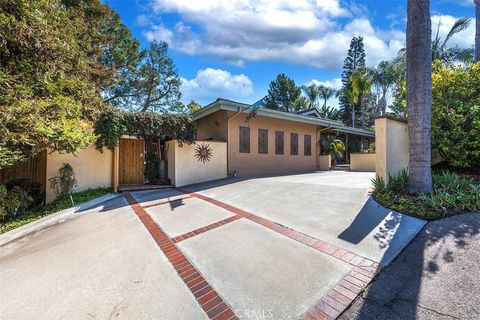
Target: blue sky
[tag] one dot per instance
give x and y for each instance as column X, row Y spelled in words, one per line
column 234, row 48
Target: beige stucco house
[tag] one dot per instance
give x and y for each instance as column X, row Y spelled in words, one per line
column 273, row 141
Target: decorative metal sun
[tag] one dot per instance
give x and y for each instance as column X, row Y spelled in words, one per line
column 203, row 152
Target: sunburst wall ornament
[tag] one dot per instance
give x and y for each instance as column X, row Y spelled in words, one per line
column 203, row 152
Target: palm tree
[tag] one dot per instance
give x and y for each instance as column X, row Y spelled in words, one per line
column 383, row 77
column 477, row 32
column 312, row 93
column 361, row 87
column 325, row 93
column 439, row 45
column 329, row 112
column 419, row 94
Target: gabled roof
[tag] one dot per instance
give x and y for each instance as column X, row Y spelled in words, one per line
column 312, row 112
column 229, row 105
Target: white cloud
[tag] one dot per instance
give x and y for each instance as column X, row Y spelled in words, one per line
column 210, row 84
column 301, row 32
column 334, row 83
column 464, row 39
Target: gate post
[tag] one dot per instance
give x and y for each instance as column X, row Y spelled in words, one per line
column 391, row 146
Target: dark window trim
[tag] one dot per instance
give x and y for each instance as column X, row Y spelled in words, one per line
column 279, row 150
column 262, row 149
column 305, row 153
column 244, row 148
column 293, row 148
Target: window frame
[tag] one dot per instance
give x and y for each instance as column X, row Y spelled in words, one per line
column 293, row 141
column 305, row 145
column 240, row 144
column 277, row 145
column 262, row 149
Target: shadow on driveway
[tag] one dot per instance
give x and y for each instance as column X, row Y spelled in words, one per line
column 435, row 277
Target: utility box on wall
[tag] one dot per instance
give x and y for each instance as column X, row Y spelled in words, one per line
column 195, row 163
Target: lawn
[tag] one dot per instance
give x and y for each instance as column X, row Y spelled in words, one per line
column 55, row 206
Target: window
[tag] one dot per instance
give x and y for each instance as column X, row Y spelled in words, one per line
column 263, row 141
column 278, row 142
column 307, row 145
column 294, row 144
column 244, row 140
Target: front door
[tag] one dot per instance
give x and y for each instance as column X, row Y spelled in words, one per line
column 131, row 161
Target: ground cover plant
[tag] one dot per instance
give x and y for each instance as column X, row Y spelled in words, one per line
column 452, row 194
column 11, row 222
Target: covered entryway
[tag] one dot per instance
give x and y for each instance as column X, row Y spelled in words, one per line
column 131, row 161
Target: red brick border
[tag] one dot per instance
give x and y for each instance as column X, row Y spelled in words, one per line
column 342, row 295
column 213, row 305
column 164, row 202
column 205, row 229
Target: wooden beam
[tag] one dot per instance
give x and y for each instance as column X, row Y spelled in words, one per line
column 115, row 168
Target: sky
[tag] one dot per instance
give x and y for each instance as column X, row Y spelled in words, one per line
column 234, row 48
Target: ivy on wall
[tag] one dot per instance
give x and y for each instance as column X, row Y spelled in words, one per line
column 113, row 123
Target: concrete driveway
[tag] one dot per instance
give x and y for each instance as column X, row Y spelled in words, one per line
column 283, row 247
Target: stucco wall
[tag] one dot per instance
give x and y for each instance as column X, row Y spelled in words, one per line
column 254, row 163
column 184, row 168
column 391, row 146
column 362, row 162
column 213, row 127
column 324, row 162
column 92, row 169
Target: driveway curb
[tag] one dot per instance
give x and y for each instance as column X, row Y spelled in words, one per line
column 54, row 218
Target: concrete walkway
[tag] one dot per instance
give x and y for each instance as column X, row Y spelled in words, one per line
column 285, row 247
column 436, row 277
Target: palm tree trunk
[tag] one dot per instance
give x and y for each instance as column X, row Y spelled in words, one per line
column 477, row 32
column 362, row 111
column 353, row 115
column 419, row 94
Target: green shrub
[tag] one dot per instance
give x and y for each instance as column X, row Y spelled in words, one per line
column 63, row 183
column 452, row 193
column 151, row 167
column 456, row 115
column 12, row 202
column 33, row 189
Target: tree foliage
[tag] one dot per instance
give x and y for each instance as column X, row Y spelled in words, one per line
column 456, row 114
column 113, row 123
column 282, row 94
column 153, row 85
column 355, row 60
column 56, row 59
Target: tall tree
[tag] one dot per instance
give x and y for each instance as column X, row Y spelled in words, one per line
column 312, row 94
column 155, row 85
column 355, row 59
column 282, row 94
column 419, row 94
column 361, row 87
column 325, row 93
column 477, row 30
column 383, row 77
column 441, row 50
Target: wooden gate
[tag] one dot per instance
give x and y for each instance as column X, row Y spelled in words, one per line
column 131, row 164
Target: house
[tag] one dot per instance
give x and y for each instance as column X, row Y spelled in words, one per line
column 273, row 141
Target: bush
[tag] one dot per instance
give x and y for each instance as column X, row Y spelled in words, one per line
column 13, row 201
column 32, row 188
column 452, row 194
column 151, row 167
column 64, row 182
column 456, row 115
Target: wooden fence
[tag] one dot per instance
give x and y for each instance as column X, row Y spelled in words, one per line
column 34, row 169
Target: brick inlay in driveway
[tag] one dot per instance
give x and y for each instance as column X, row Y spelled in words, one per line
column 342, row 295
column 213, row 305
